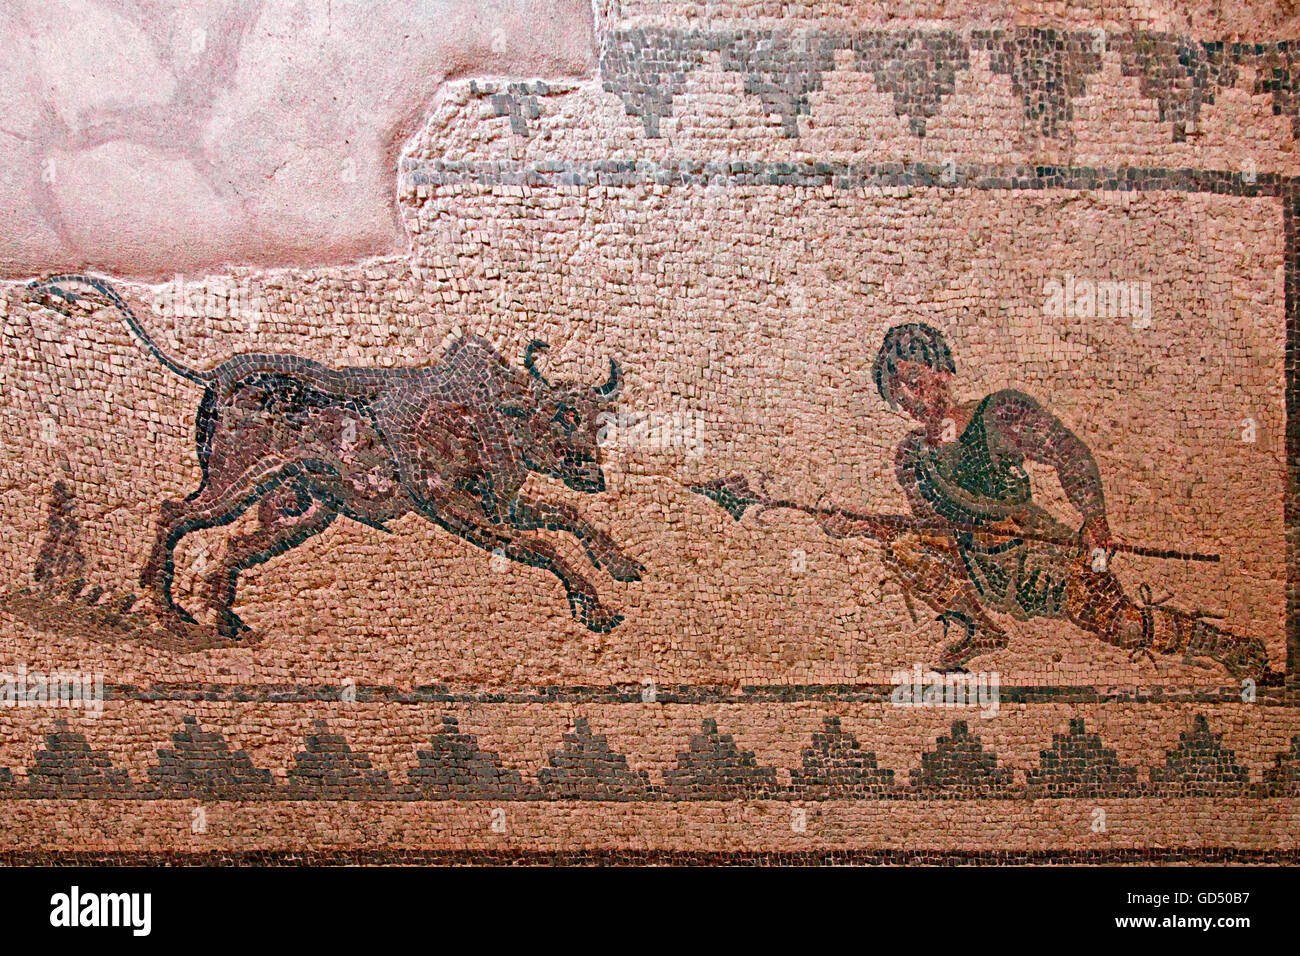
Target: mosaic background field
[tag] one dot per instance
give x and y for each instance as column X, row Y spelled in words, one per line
column 736, row 205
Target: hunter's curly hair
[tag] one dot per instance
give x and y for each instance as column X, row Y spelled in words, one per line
column 912, row 342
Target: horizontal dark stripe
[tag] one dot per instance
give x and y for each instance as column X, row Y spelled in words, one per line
column 406, row 794
column 839, row 174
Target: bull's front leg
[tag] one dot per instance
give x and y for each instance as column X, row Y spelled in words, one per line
column 476, row 528
column 529, row 514
column 584, row 602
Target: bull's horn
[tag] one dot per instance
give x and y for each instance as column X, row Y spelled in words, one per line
column 611, row 388
column 530, row 363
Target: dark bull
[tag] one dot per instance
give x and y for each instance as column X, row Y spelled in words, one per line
column 454, row 442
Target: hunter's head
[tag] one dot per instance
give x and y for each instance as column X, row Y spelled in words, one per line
column 558, row 429
column 913, row 371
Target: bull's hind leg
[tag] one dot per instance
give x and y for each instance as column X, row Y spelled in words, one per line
column 286, row 518
column 177, row 519
column 215, row 504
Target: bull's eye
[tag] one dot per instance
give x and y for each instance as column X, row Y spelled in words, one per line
column 568, row 418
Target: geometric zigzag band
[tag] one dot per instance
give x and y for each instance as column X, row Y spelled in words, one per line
column 201, row 765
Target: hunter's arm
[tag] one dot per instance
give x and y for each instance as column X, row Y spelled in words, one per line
column 1024, row 427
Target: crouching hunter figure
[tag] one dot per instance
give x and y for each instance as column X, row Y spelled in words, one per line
column 963, row 470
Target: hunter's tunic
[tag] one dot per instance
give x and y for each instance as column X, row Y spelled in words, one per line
column 979, row 481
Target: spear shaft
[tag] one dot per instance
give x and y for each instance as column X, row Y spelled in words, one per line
column 735, row 496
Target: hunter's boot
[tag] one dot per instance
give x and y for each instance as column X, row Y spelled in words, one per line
column 1178, row 631
column 1097, row 602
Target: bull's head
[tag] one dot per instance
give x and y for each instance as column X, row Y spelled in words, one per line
column 557, row 428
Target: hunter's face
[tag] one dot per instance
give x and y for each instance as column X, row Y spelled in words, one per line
column 921, row 391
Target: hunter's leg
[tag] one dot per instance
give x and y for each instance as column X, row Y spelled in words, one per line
column 1095, row 601
column 930, row 569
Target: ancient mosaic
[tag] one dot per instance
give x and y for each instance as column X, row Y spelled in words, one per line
column 810, row 437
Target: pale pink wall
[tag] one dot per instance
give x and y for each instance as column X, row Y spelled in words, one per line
column 146, row 138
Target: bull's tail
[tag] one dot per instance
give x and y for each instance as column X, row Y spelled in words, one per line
column 62, row 291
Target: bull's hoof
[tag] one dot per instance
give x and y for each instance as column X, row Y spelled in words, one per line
column 170, row 614
column 230, row 627
column 593, row 615
column 623, row 568
column 186, row 630
column 942, row 668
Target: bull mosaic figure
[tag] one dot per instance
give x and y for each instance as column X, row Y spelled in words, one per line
column 305, row 443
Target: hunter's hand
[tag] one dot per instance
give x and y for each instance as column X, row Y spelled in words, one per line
column 1095, row 535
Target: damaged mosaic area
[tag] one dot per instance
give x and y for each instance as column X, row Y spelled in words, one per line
column 790, row 358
